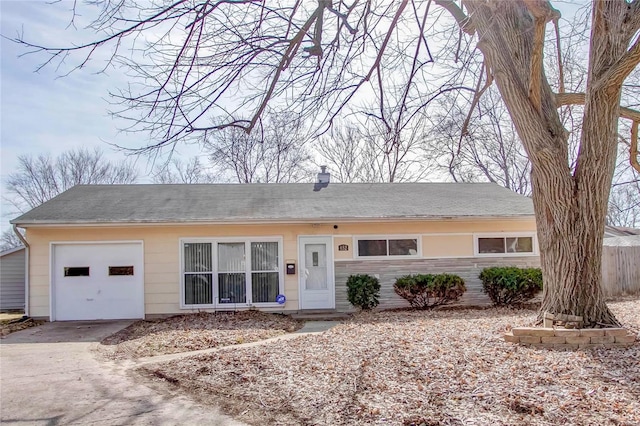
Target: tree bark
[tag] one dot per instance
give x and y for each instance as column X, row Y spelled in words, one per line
column 570, row 206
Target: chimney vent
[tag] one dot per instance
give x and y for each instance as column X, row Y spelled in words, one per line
column 324, row 176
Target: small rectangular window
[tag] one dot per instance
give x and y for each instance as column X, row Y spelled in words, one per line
column 520, row 245
column 505, row 245
column 407, row 247
column 76, row 271
column 120, row 270
column 388, row 247
column 490, row 245
column 372, row 247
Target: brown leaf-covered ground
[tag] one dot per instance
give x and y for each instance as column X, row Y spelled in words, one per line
column 191, row 332
column 422, row 368
column 16, row 323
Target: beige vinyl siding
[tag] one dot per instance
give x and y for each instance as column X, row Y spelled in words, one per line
column 162, row 250
column 343, row 255
column 12, row 275
column 443, row 245
column 388, row 270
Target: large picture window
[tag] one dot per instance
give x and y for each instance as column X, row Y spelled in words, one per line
column 505, row 245
column 382, row 247
column 219, row 273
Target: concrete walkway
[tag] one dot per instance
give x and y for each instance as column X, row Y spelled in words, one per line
column 49, row 376
column 309, row 328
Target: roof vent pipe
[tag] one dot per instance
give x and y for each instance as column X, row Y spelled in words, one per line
column 324, row 176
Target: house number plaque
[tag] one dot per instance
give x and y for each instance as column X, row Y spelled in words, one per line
column 343, row 247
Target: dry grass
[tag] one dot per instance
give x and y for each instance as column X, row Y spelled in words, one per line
column 11, row 325
column 191, row 332
column 422, row 368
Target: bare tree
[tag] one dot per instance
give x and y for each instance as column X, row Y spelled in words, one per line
column 9, row 240
column 175, row 171
column 38, row 179
column 481, row 146
column 371, row 152
column 274, row 153
column 319, row 57
column 344, row 155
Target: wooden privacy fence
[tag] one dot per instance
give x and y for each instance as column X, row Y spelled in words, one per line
column 620, row 269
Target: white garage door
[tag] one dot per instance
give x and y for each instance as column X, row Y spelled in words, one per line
column 98, row 281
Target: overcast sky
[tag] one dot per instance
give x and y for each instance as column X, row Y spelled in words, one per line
column 42, row 113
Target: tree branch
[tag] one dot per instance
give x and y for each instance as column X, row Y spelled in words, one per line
column 623, row 67
column 563, row 99
column 559, row 53
column 633, row 151
column 633, row 16
column 542, row 13
column 465, row 23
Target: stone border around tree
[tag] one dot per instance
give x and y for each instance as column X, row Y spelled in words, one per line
column 571, row 339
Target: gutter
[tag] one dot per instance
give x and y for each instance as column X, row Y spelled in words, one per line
column 287, row 221
column 26, row 268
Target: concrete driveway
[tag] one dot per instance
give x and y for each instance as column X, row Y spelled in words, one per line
column 49, row 376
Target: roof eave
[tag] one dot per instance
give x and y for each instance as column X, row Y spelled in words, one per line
column 27, row 224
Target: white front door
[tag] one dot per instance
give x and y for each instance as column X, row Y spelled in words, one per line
column 316, row 273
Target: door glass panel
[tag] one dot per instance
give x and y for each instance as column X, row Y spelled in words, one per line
column 316, row 272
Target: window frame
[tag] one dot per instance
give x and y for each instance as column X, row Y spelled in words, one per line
column 505, row 235
column 387, row 237
column 215, row 270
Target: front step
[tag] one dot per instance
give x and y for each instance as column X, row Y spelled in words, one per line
column 320, row 315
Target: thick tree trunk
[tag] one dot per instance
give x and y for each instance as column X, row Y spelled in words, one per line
column 570, row 206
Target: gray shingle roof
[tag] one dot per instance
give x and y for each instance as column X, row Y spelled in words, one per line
column 275, row 202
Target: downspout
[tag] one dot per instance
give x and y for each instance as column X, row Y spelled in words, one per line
column 26, row 269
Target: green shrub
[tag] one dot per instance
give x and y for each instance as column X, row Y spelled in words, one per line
column 363, row 291
column 511, row 285
column 426, row 291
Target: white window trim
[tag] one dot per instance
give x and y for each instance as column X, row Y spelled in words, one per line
column 418, row 238
column 476, row 248
column 214, row 253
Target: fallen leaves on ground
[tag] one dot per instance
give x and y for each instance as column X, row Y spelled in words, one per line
column 11, row 326
column 191, row 332
column 418, row 368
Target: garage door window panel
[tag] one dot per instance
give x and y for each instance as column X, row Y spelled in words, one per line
column 120, row 270
column 76, row 271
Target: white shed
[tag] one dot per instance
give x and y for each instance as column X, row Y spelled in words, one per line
column 12, row 279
